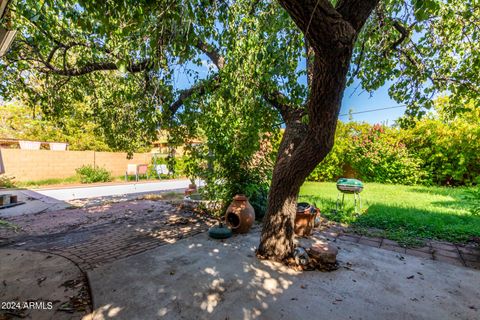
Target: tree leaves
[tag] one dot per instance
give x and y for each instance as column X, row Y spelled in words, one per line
column 425, row 9
column 438, row 57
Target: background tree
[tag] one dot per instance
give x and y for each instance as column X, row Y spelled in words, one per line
column 80, row 128
column 21, row 122
column 257, row 53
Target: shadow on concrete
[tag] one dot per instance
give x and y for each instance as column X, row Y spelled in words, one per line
column 201, row 278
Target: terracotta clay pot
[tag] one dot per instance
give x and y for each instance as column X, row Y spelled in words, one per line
column 304, row 220
column 240, row 214
column 192, row 188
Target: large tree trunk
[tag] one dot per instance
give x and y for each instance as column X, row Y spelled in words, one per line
column 308, row 138
column 302, row 148
column 277, row 234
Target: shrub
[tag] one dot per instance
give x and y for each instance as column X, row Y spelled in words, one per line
column 258, row 198
column 228, row 172
column 176, row 165
column 378, row 156
column 6, row 182
column 370, row 153
column 90, row 174
column 450, row 151
column 442, row 148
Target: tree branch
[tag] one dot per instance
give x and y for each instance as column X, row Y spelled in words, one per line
column 52, row 53
column 213, row 54
column 96, row 66
column 404, row 33
column 356, row 12
column 359, row 60
column 198, row 89
column 49, row 68
column 277, row 100
column 324, row 27
column 280, row 102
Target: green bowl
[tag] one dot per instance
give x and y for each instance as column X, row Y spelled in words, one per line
column 218, row 232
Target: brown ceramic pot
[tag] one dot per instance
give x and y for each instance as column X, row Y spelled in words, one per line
column 192, row 188
column 304, row 221
column 240, row 214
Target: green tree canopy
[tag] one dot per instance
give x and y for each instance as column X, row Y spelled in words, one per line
column 426, row 48
column 129, row 55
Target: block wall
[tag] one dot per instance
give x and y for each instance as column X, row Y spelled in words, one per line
column 32, row 165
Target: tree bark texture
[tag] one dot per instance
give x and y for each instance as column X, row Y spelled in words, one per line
column 331, row 33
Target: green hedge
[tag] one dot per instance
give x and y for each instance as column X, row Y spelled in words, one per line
column 450, row 151
column 434, row 151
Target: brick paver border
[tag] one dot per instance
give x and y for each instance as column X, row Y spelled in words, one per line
column 460, row 255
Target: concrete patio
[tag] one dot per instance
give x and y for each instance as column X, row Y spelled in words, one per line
column 201, row 278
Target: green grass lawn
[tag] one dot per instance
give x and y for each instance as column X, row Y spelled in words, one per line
column 47, row 182
column 403, row 213
column 67, row 181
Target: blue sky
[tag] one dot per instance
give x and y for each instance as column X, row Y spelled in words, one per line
column 359, row 101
